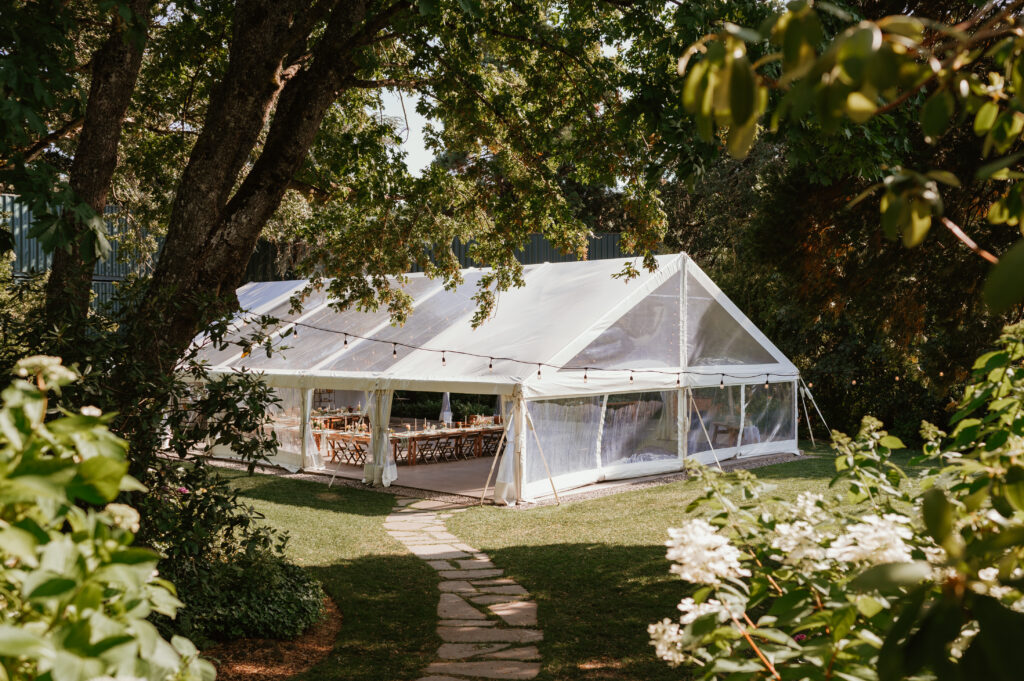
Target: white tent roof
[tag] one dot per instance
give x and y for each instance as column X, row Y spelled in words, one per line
column 590, row 331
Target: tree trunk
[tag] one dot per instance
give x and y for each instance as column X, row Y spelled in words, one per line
column 212, row 232
column 115, row 70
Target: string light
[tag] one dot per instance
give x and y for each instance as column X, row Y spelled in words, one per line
column 941, row 374
column 853, row 382
column 897, row 379
column 766, row 381
column 490, row 359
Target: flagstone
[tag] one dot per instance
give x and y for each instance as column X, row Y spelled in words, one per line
column 488, row 635
column 439, row 564
column 510, row 589
column 459, row 651
column 489, row 599
column 437, row 552
column 503, row 669
column 474, row 563
column 471, row 574
column 457, row 586
column 517, row 613
column 466, row 623
column 451, row 606
column 500, row 581
column 524, row 653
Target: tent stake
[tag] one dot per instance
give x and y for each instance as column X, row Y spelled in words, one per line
column 815, row 403
column 704, row 428
column 497, row 455
column 807, row 415
column 536, row 438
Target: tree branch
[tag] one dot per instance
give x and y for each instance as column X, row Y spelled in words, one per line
column 389, row 82
column 33, row 151
column 968, row 241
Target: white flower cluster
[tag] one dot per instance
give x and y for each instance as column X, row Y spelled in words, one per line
column 124, row 516
column 701, row 555
column 874, row 540
column 800, row 541
column 666, row 637
column 808, row 507
column 691, row 610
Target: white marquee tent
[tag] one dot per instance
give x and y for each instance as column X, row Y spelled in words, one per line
column 600, row 377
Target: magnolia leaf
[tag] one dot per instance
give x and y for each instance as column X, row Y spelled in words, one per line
column 908, row 27
column 938, row 514
column 1005, row 284
column 747, row 34
column 859, row 108
column 945, row 177
column 741, row 138
column 936, row 112
column 742, row 91
column 920, row 222
column 986, row 171
column 985, row 118
column 892, row 442
column 890, row 577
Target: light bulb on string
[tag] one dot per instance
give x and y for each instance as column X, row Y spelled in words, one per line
column 394, row 349
column 631, row 377
column 444, row 362
column 721, row 383
column 490, row 364
column 584, row 374
column 346, row 340
column 538, row 371
column 853, row 382
column 678, row 379
column 766, row 381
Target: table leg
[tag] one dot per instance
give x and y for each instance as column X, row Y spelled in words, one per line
column 412, row 451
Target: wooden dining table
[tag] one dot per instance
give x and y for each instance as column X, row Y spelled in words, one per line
column 461, row 442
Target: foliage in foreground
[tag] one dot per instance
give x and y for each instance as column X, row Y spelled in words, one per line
column 76, row 593
column 903, row 585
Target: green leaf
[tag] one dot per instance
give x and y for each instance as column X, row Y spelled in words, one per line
column 892, row 442
column 920, row 222
column 741, row 138
column 945, row 177
column 16, row 542
column 936, row 112
column 989, row 169
column 909, row 27
column 17, row 642
column 891, row 577
column 742, row 91
column 938, row 514
column 427, row 7
column 859, row 107
column 99, row 479
column 55, row 586
column 985, row 118
column 1005, row 284
column 1013, row 489
column 746, row 34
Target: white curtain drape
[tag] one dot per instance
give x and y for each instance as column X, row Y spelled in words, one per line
column 380, row 467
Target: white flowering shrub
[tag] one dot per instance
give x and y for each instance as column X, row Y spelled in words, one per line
column 878, row 576
column 75, row 594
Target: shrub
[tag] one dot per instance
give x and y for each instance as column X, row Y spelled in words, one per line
column 230, row 566
column 884, row 584
column 76, row 593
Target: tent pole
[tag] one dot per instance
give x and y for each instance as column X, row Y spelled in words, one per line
column 815, row 403
column 544, row 460
column 497, row 455
column 807, row 415
column 704, row 428
column 304, row 435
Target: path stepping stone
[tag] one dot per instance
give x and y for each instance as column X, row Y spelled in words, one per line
column 466, row 623
column 524, row 653
column 486, row 635
column 490, row 599
column 460, row 651
column 470, row 574
column 518, row 614
column 452, row 607
column 490, row 669
column 485, row 619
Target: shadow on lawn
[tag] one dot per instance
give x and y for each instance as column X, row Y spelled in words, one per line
column 594, row 604
column 294, row 492
column 388, row 605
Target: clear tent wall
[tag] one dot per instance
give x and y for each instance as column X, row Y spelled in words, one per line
column 601, row 377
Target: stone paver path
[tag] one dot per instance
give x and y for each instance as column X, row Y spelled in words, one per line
column 487, row 622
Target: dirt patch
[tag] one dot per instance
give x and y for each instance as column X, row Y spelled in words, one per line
column 249, row 659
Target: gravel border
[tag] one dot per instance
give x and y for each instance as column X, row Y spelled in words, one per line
column 567, row 497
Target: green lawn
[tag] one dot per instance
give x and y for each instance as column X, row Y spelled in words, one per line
column 596, row 568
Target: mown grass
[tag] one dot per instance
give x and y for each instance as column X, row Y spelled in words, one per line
column 596, row 568
column 388, row 597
